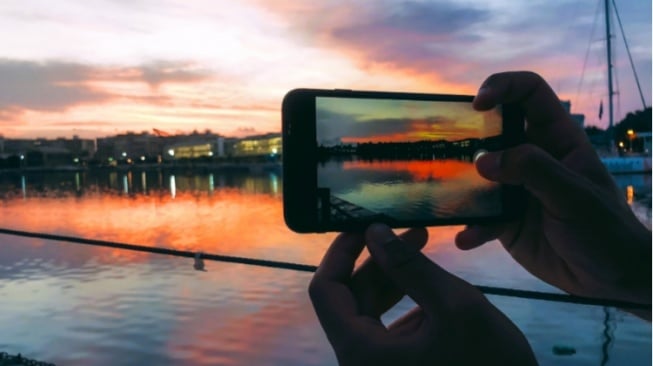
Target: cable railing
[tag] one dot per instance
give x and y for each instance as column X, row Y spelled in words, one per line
column 199, row 257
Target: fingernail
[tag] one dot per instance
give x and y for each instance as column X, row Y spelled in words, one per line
column 481, row 100
column 488, row 164
column 483, row 90
column 380, row 233
column 386, row 246
column 478, row 154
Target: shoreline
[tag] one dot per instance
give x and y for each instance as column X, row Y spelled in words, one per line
column 228, row 166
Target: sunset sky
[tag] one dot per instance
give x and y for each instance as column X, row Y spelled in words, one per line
column 100, row 67
column 348, row 120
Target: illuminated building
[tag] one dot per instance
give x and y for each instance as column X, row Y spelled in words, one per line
column 196, row 149
column 257, row 146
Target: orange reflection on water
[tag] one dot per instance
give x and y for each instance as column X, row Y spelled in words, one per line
column 228, row 221
column 420, row 170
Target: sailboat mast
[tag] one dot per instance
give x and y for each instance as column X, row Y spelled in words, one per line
column 608, row 38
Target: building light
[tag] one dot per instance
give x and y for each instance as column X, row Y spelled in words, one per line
column 171, row 152
column 142, row 158
column 22, row 157
column 76, row 160
column 124, row 154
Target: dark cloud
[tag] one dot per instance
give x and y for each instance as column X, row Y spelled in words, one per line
column 57, row 86
column 49, row 86
column 169, row 72
column 419, row 36
column 413, row 35
column 440, row 20
column 460, row 42
column 153, row 73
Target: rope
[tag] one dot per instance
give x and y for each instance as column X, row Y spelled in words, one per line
column 630, row 57
column 490, row 290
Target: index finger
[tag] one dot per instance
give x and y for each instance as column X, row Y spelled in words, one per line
column 437, row 291
column 332, row 299
column 548, row 123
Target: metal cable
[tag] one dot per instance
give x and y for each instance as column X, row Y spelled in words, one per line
column 490, row 290
column 630, row 57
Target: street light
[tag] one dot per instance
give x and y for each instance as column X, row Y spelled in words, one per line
column 631, row 136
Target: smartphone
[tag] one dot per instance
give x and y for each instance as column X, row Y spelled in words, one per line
column 352, row 158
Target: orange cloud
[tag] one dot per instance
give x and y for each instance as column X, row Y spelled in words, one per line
column 54, row 86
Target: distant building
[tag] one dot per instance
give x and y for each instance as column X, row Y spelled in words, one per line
column 48, row 152
column 129, row 147
column 50, row 156
column 196, row 148
column 578, row 118
column 257, row 146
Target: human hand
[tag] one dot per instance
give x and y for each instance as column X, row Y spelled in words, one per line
column 453, row 324
column 578, row 233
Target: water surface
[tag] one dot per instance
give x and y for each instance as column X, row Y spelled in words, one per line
column 79, row 305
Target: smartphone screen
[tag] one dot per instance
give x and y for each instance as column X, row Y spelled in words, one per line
column 395, row 159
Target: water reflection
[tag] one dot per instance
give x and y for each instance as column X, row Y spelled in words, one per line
column 405, row 190
column 131, row 183
column 94, row 305
column 240, row 215
column 23, row 186
column 144, row 182
column 78, row 186
column 125, row 184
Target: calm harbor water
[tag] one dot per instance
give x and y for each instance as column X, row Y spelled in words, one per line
column 412, row 189
column 78, row 305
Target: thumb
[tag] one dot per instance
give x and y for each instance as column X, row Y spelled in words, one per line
column 428, row 284
column 557, row 187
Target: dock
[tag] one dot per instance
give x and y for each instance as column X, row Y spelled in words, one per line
column 342, row 211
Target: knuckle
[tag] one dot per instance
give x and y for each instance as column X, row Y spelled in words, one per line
column 470, row 308
column 315, row 288
column 523, row 158
column 532, row 76
column 524, row 155
column 354, row 347
column 514, row 76
column 466, row 300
